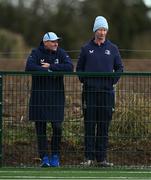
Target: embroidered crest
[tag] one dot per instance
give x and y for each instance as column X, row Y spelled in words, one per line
column 107, row 52
column 56, row 61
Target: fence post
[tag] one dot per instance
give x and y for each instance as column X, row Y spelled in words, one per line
column 1, row 96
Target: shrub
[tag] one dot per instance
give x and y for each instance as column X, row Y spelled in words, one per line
column 132, row 119
column 12, row 45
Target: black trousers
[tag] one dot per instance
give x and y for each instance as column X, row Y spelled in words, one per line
column 97, row 117
column 42, row 137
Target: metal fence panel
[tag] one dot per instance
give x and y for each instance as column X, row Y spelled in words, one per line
column 129, row 133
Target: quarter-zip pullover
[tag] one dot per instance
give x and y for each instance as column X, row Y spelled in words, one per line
column 103, row 58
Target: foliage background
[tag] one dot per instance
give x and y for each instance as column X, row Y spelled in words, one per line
column 129, row 22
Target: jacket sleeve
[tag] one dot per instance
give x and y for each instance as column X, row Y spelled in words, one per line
column 81, row 64
column 118, row 65
column 32, row 63
column 65, row 65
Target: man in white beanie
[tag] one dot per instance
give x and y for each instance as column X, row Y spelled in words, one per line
column 98, row 55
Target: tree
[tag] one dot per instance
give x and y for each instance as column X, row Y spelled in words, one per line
column 73, row 20
column 126, row 19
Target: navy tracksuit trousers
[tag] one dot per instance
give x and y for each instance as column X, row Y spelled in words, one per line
column 41, row 127
column 97, row 116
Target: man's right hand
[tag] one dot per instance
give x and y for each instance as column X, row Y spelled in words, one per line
column 45, row 65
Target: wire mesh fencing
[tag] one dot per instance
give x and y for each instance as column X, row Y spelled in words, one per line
column 129, row 131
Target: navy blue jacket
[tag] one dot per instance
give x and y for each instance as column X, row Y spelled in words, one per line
column 103, row 58
column 47, row 94
column 59, row 60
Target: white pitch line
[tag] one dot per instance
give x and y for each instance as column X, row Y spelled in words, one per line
column 85, row 171
column 48, row 177
column 84, row 179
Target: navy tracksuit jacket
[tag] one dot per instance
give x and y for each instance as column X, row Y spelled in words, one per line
column 98, row 94
column 47, row 95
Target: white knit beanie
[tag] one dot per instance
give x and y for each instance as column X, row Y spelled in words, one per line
column 100, row 22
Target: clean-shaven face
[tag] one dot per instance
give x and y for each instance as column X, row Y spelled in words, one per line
column 100, row 34
column 51, row 45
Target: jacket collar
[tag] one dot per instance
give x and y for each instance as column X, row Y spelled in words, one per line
column 105, row 42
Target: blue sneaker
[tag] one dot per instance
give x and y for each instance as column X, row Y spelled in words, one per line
column 54, row 161
column 45, row 162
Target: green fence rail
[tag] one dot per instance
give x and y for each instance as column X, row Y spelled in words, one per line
column 129, row 134
column 1, row 93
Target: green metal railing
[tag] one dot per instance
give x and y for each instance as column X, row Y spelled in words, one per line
column 1, row 98
column 130, row 130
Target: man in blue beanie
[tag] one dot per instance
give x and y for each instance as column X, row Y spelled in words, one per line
column 47, row 95
column 98, row 55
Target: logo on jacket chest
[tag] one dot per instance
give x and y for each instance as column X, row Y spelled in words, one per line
column 91, row 51
column 107, row 52
column 42, row 61
column 55, row 61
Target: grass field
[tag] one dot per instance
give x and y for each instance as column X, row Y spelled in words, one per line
column 74, row 173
